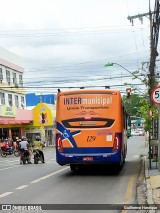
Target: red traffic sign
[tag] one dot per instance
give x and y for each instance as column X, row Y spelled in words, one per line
column 155, row 95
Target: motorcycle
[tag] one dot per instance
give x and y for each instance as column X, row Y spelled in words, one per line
column 9, row 151
column 24, row 156
column 16, row 152
column 37, row 156
column 6, row 151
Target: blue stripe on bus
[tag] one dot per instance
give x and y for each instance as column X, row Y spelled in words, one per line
column 66, row 134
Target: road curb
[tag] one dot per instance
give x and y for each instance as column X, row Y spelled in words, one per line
column 148, row 185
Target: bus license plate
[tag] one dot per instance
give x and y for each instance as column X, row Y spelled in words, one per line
column 87, row 158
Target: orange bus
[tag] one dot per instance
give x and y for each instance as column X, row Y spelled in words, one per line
column 91, row 128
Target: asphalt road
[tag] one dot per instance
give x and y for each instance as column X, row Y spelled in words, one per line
column 50, row 183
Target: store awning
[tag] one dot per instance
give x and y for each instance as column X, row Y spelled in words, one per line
column 14, row 122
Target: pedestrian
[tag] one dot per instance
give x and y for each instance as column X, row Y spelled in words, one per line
column 14, row 143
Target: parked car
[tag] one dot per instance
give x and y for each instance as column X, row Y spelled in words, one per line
column 142, row 132
column 138, row 133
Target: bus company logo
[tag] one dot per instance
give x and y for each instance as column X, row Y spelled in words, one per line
column 87, row 101
column 87, row 113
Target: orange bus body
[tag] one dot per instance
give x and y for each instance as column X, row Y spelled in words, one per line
column 90, row 127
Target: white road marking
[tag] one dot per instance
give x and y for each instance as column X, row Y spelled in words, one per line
column 5, row 194
column 10, row 167
column 22, row 187
column 35, row 181
column 8, row 161
column 47, row 176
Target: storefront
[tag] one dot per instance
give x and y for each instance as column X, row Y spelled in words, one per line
column 16, row 122
column 13, row 121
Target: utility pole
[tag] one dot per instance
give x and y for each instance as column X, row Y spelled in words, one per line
column 154, row 35
column 154, row 54
column 152, row 62
column 140, row 17
column 154, row 43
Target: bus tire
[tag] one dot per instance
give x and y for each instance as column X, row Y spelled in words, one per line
column 124, row 157
column 73, row 167
column 124, row 160
column 120, row 166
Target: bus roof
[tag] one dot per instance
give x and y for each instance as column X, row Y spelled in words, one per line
column 88, row 90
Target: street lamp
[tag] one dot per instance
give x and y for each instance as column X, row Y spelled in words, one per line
column 111, row 64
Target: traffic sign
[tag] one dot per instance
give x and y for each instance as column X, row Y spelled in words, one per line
column 155, row 95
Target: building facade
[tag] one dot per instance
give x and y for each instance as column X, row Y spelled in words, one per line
column 15, row 118
column 12, row 95
column 43, row 124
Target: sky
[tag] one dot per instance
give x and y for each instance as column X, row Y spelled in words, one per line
column 66, row 43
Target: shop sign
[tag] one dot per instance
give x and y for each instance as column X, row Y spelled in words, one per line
column 6, row 111
column 31, row 128
column 42, row 115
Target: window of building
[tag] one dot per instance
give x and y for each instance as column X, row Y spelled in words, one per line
column 22, row 101
column 8, row 78
column 2, row 98
column 14, row 78
column 10, row 100
column 1, row 75
column 16, row 100
column 20, row 80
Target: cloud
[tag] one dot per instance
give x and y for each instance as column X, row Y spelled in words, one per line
column 68, row 42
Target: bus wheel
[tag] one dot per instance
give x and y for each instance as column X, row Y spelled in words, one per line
column 124, row 160
column 73, row 167
column 119, row 167
column 125, row 154
column 124, row 157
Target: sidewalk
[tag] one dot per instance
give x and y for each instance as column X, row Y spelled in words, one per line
column 153, row 182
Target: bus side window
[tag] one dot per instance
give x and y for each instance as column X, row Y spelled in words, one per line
column 126, row 121
column 125, row 117
column 129, row 121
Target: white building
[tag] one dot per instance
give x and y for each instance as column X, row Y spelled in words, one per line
column 11, row 80
column 13, row 116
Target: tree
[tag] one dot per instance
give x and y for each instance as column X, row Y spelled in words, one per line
column 133, row 104
column 140, row 106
